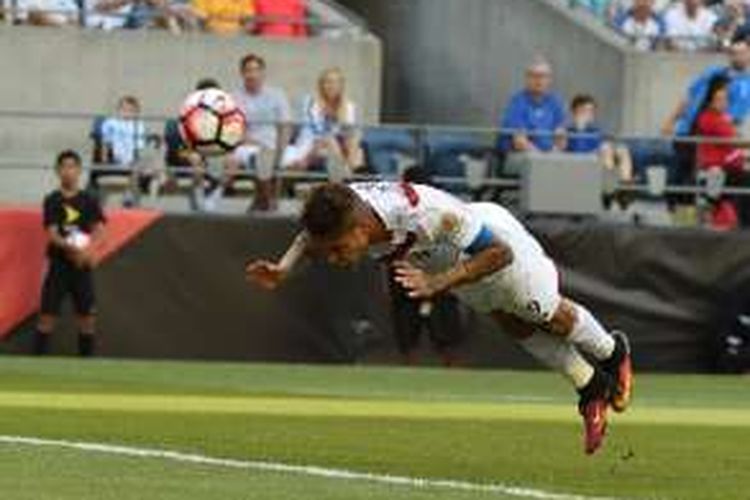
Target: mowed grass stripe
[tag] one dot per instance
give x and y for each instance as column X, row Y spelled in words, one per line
column 337, row 407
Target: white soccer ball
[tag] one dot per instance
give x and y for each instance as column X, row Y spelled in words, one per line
column 78, row 239
column 211, row 123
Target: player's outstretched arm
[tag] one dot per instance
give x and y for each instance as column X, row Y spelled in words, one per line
column 270, row 275
column 421, row 285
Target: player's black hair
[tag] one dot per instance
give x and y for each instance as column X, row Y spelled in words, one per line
column 67, row 154
column 581, row 100
column 207, row 83
column 252, row 58
column 329, row 211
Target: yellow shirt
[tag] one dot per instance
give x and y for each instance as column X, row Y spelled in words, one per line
column 224, row 16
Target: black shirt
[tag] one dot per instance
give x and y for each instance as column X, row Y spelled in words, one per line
column 80, row 212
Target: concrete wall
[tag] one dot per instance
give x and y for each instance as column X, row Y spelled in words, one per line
column 654, row 83
column 48, row 70
column 457, row 61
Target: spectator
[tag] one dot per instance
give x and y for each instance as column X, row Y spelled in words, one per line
column 599, row 8
column 224, row 17
column 123, row 140
column 586, row 136
column 641, row 24
column 681, row 121
column 690, row 25
column 328, row 135
column 285, row 18
column 48, row 12
column 107, row 14
column 73, row 222
column 152, row 14
column 124, row 135
column 439, row 319
column 733, row 20
column 536, row 115
column 188, row 163
column 618, row 9
column 268, row 114
column 723, row 161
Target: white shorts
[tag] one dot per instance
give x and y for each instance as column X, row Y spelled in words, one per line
column 528, row 289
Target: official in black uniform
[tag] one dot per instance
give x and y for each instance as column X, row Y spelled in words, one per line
column 439, row 319
column 74, row 223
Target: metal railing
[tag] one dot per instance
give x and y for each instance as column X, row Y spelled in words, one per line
column 409, row 145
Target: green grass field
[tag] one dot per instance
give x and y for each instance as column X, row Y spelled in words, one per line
column 687, row 437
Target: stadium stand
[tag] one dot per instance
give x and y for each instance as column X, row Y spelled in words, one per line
column 276, row 18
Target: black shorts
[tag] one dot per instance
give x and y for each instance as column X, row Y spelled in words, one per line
column 442, row 326
column 64, row 278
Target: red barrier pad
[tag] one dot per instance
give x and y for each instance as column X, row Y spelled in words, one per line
column 22, row 260
column 22, row 242
column 122, row 227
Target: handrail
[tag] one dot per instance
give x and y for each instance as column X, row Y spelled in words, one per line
column 414, row 128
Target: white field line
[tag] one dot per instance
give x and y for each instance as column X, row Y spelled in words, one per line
column 313, row 471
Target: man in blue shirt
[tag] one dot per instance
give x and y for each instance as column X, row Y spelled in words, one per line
column 534, row 119
column 680, row 121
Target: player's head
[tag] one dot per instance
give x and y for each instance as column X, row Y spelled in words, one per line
column 68, row 168
column 335, row 219
column 253, row 70
column 128, row 107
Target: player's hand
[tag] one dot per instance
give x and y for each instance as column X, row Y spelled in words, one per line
column 268, row 275
column 418, row 284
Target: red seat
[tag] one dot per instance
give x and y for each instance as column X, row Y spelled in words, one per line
column 292, row 14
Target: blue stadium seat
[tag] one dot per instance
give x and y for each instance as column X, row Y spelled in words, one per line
column 649, row 152
column 446, row 153
column 96, row 134
column 384, row 147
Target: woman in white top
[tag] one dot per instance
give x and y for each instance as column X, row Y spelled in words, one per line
column 329, row 134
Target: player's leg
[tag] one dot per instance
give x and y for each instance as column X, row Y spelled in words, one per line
column 407, row 323
column 547, row 349
column 574, row 323
column 265, row 185
column 591, row 382
column 54, row 290
column 444, row 329
column 44, row 328
column 533, row 295
column 84, row 302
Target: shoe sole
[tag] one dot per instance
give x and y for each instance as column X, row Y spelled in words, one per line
column 591, row 448
column 599, row 444
column 621, row 401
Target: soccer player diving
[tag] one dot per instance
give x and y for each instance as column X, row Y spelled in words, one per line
column 498, row 269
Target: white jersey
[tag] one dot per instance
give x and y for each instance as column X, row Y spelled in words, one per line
column 431, row 217
column 430, row 224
